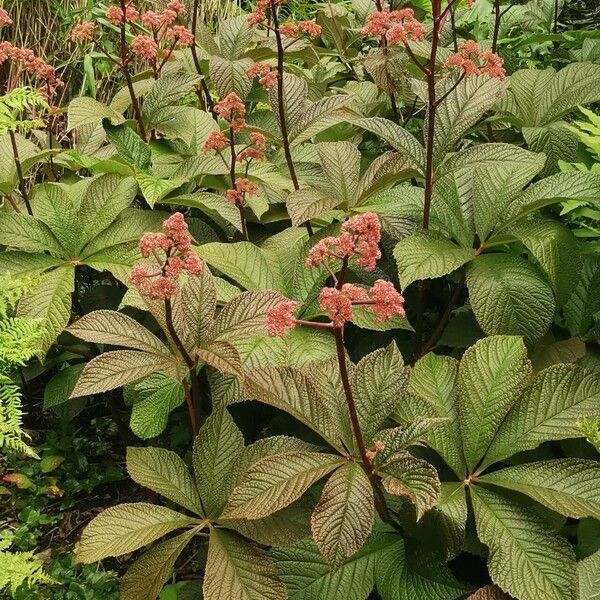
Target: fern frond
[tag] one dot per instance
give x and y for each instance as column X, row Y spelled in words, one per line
column 13, row 104
column 11, row 415
column 21, row 569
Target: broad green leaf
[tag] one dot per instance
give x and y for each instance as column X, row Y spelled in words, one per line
column 421, row 577
column 50, row 301
column 234, row 36
column 84, row 111
column 59, row 388
column 397, row 137
column 414, row 479
column 588, row 571
column 276, row 481
column 129, row 145
column 550, row 408
column 568, row 486
column 230, row 76
column 221, row 355
column 213, row 205
column 105, row 198
column 400, row 439
column 126, row 527
column 245, row 315
column 115, row 328
column 235, row 569
column 509, row 296
column 305, row 204
column 308, row 576
column 57, row 208
column 526, row 559
column 433, row 381
column 584, row 301
column 165, row 473
column 491, row 376
column 293, row 392
column 556, row 140
column 427, row 255
column 117, row 368
column 23, row 232
column 146, row 576
column 343, row 517
column 247, row 264
column 548, row 353
column 18, row 263
column 341, row 164
column 377, row 382
column 155, row 189
column 319, row 116
column 167, row 90
column 152, row 400
column 186, row 123
column 295, row 94
column 218, row 451
column 471, row 99
column 556, row 249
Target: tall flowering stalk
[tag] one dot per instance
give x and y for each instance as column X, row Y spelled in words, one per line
column 293, row 32
column 165, row 35
column 169, row 254
column 233, row 110
column 358, row 242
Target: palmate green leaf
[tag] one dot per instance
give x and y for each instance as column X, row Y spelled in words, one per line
column 57, row 208
column 432, row 388
column 556, row 249
column 235, row 569
column 548, row 352
column 568, row 486
column 276, row 481
column 427, row 255
column 377, row 382
column 556, row 141
column 217, row 454
column 186, row 123
column 146, row 576
column 509, row 296
column 152, row 399
column 414, row 479
column 19, row 264
column 247, row 264
column 526, row 559
column 557, row 398
column 386, row 170
column 308, row 576
column 212, row 205
column 155, row 189
column 117, row 368
column 165, row 473
column 129, row 145
column 85, row 111
column 343, row 517
column 234, row 36
column 114, row 328
column 397, row 137
column 319, row 116
column 399, row 576
column 230, row 76
column 126, row 527
column 305, row 204
column 166, row 91
column 491, row 376
column 51, row 302
column 341, row 164
column 471, row 99
column 221, row 355
column 400, row 439
column 588, row 571
column 23, row 232
column 245, row 316
column 295, row 94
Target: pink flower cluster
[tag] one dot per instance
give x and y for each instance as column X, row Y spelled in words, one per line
column 116, row 15
column 82, row 32
column 359, row 238
column 280, row 318
column 181, row 35
column 35, row 66
column 472, row 60
column 397, row 26
column 378, row 447
column 5, row 19
column 255, row 150
column 266, row 76
column 243, row 188
column 216, row 140
column 144, row 46
column 295, row 30
column 260, row 11
column 232, row 109
column 173, row 252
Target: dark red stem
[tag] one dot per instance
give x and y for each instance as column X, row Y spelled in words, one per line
column 22, row 185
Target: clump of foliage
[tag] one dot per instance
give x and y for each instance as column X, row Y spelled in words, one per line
column 330, row 262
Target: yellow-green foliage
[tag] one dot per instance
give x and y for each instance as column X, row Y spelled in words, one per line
column 14, row 104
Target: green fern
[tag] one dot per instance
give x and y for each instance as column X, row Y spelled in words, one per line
column 18, row 342
column 13, row 104
column 20, row 569
column 590, row 428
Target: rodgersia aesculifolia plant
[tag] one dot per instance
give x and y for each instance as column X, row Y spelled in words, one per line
column 330, row 246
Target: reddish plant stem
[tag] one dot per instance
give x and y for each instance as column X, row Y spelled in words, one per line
column 124, row 69
column 207, row 99
column 497, row 19
column 233, row 178
column 193, row 400
column 281, row 108
column 22, row 185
